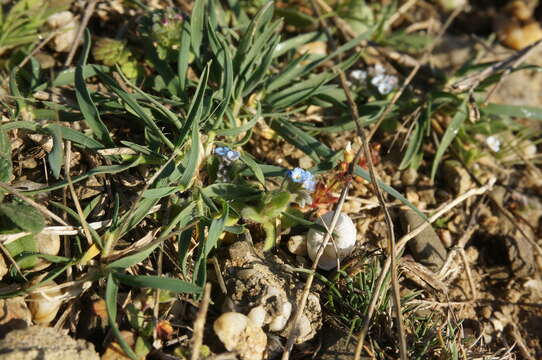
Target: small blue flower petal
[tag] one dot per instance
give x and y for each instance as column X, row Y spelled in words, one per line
column 222, row 150
column 232, row 155
column 309, row 185
column 296, row 175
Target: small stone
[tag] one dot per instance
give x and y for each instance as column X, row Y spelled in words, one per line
column 306, row 162
column 313, row 48
column 66, row 26
column 3, row 267
column 456, row 177
column 38, row 343
column 409, row 176
column 46, row 61
column 446, row 237
column 297, row 245
column 238, row 333
column 14, row 314
column 426, row 247
column 257, row 315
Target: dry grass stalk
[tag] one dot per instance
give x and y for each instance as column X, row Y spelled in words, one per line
column 199, row 323
column 89, row 10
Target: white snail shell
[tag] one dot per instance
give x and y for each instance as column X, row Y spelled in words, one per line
column 339, row 247
column 44, row 303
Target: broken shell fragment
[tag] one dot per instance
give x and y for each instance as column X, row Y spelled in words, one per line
column 338, row 247
column 238, row 333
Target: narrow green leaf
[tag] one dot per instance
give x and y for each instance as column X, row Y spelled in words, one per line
column 111, row 292
column 228, row 191
column 296, row 42
column 300, row 139
column 193, row 157
column 182, row 60
column 449, row 135
column 141, row 112
column 86, row 105
column 195, row 111
column 388, row 189
column 207, row 245
column 131, row 260
column 158, row 282
column 67, row 77
column 253, row 165
column 24, row 216
column 520, row 111
column 197, row 23
column 56, row 156
column 161, row 192
column 416, row 138
column 245, row 127
column 74, row 136
column 6, row 166
column 112, row 169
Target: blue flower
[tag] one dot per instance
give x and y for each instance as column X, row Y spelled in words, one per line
column 384, row 83
column 232, row 155
column 298, row 175
column 303, row 177
column 222, row 150
column 309, row 185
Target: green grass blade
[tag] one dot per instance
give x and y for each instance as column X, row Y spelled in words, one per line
column 182, row 60
column 231, row 191
column 241, row 129
column 56, row 156
column 296, row 42
column 396, row 194
column 254, row 166
column 131, row 260
column 449, row 135
column 416, row 138
column 111, row 293
column 86, row 105
column 520, row 111
column 6, row 165
column 300, row 139
column 197, row 23
column 136, row 107
column 111, row 169
column 158, row 282
column 191, row 167
column 195, row 112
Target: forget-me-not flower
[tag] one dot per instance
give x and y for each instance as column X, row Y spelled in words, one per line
column 303, row 177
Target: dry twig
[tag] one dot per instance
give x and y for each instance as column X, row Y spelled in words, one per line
column 89, row 10
column 199, row 323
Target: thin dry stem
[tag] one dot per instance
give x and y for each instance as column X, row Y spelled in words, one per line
column 199, row 323
column 469, row 274
column 89, row 10
column 387, row 217
column 292, row 336
column 75, row 199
